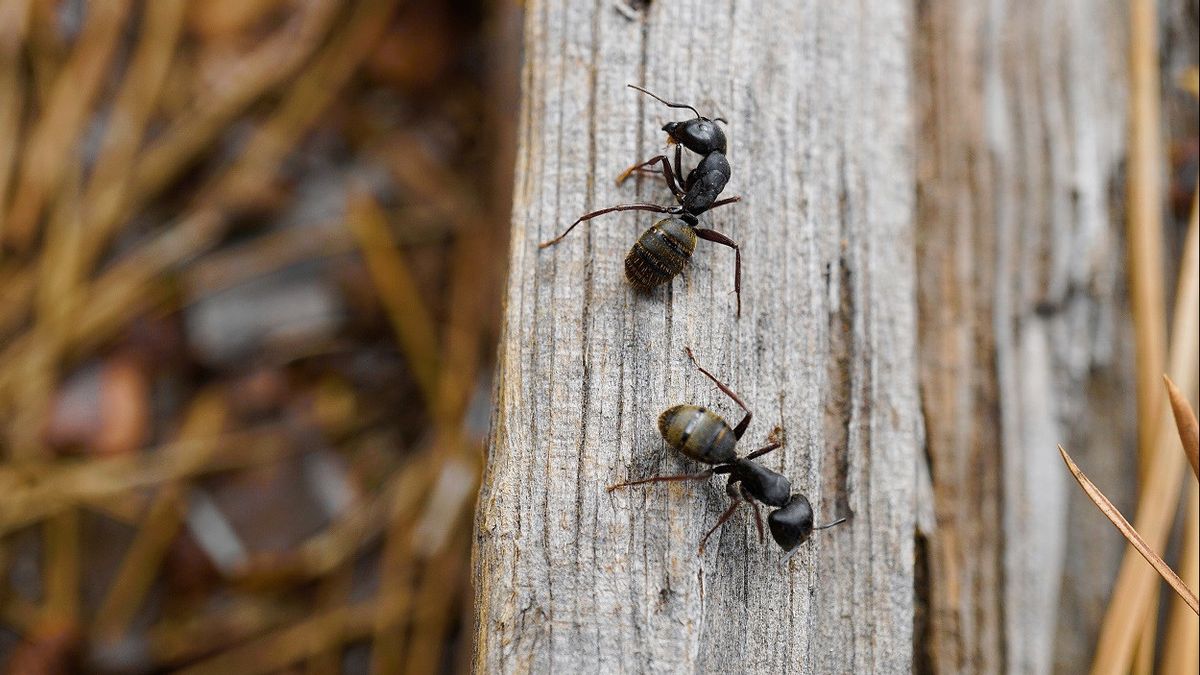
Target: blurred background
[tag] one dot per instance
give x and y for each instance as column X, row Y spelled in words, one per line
column 251, row 259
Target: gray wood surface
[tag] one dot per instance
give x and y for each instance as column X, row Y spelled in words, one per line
column 1024, row 336
column 573, row 579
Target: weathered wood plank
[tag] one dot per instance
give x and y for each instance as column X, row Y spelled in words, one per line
column 571, row 578
column 1024, row 325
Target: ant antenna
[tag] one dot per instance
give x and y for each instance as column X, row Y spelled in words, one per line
column 667, row 103
column 826, row 526
column 788, row 556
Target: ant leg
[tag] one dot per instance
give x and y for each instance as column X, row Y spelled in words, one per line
column 679, row 166
column 723, row 202
column 703, row 475
column 757, row 514
column 656, row 208
column 764, row 450
column 644, row 172
column 669, row 175
column 720, row 521
column 741, row 427
column 718, row 238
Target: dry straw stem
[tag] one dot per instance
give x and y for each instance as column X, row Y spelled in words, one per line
column 1106, row 507
column 187, row 638
column 14, row 22
column 1144, row 223
column 1185, row 421
column 417, row 338
column 431, row 617
column 305, row 101
column 204, row 423
column 332, row 592
column 234, row 265
column 1181, row 648
column 398, row 292
column 451, row 378
column 1131, row 599
column 136, row 102
column 129, row 287
column 47, row 49
column 16, row 291
column 1189, row 81
column 476, row 257
column 396, row 575
column 55, row 135
column 333, row 547
column 268, row 67
column 281, row 648
column 62, row 563
column 32, row 492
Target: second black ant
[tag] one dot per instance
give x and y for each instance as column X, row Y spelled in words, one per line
column 704, row 436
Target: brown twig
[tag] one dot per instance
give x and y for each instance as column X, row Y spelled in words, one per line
column 1106, row 507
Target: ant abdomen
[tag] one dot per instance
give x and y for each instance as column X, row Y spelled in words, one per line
column 698, row 433
column 660, row 254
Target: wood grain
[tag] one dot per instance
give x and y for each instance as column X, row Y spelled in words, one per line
column 1023, row 325
column 571, row 578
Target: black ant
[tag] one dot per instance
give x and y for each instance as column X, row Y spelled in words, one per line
column 706, row 437
column 661, row 251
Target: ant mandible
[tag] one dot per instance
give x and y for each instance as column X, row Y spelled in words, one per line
column 661, row 252
column 704, row 436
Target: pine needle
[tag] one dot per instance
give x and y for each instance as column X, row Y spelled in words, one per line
column 1185, row 419
column 1106, row 507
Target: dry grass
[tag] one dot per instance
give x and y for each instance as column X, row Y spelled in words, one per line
column 249, row 253
column 1130, row 630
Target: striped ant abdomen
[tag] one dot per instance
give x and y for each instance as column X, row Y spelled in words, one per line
column 660, row 253
column 699, row 433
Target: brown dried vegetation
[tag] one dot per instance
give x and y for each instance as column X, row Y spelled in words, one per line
column 249, row 257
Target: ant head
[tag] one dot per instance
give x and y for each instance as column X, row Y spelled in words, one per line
column 763, row 484
column 701, row 135
column 793, row 524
